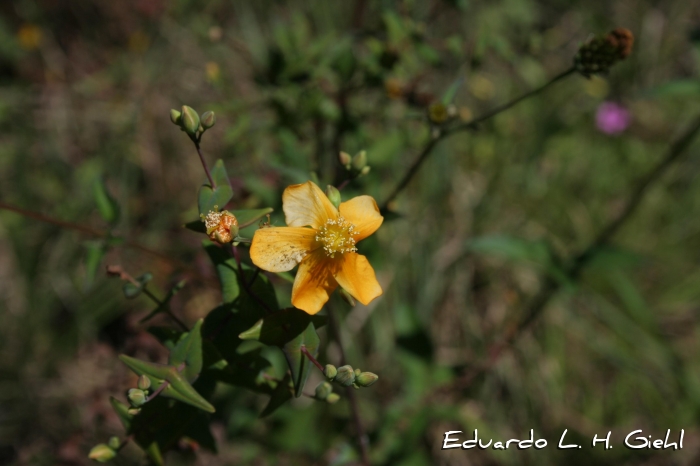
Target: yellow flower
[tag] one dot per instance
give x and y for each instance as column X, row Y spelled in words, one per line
column 326, row 251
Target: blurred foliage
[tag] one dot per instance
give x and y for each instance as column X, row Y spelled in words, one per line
column 85, row 91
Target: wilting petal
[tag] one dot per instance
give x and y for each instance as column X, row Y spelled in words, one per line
column 362, row 211
column 280, row 249
column 314, row 282
column 356, row 276
column 306, row 205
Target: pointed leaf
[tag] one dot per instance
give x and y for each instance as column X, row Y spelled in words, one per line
column 106, row 205
column 153, row 452
column 122, row 411
column 219, row 196
column 449, row 95
column 95, row 252
column 298, row 363
column 282, row 326
column 188, row 351
column 180, row 389
column 226, row 269
column 156, row 372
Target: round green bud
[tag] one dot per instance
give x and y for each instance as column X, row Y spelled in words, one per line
column 357, row 372
column 114, row 443
column 330, row 371
column 332, row 398
column 208, row 119
column 365, row 379
column 176, row 117
column 323, row 390
column 333, row 195
column 133, row 411
column 365, row 170
column 190, row 120
column 359, row 160
column 144, row 382
column 102, row 453
column 346, row 375
column 137, row 397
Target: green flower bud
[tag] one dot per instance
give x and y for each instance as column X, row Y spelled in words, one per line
column 333, row 195
column 114, row 443
column 359, row 160
column 332, row 398
column 365, row 379
column 346, row 375
column 208, row 119
column 190, row 120
column 323, row 390
column 102, row 453
column 365, row 170
column 330, row 371
column 133, row 411
column 345, row 160
column 137, row 397
column 176, row 117
column 357, row 372
column 144, row 383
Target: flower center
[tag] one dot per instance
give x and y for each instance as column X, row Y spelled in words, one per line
column 337, row 236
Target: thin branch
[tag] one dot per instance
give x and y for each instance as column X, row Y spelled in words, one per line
column 473, row 124
column 85, row 230
column 362, row 438
column 204, row 164
column 118, row 271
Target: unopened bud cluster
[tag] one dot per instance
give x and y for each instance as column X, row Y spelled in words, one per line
column 347, row 376
column 138, row 396
column 222, row 227
column 192, row 123
column 601, row 52
column 356, row 164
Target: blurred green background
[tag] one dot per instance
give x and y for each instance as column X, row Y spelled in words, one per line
column 85, row 90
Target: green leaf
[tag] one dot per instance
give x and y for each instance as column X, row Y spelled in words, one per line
column 245, row 218
column 153, row 452
column 299, row 364
column 219, row 196
column 106, row 205
column 163, row 306
column 188, row 351
column 449, row 96
column 280, row 395
column 279, row 328
column 95, row 252
column 122, row 411
column 178, row 387
column 131, row 290
column 226, row 269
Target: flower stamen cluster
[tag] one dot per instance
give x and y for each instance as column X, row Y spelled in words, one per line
column 221, row 226
column 337, row 236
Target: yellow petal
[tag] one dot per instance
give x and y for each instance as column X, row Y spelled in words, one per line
column 314, row 282
column 362, row 211
column 356, row 276
column 306, row 205
column 280, row 249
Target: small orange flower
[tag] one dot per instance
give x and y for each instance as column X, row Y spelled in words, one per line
column 326, row 251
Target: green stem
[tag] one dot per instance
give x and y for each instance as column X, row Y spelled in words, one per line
column 204, row 164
